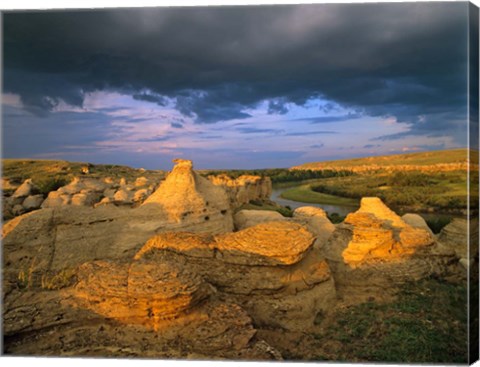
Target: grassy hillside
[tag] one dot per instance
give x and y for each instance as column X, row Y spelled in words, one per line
column 423, row 182
column 455, row 156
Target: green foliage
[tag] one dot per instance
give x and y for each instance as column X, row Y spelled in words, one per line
column 445, row 190
column 335, row 218
column 46, row 185
column 280, row 175
column 417, row 179
column 426, row 324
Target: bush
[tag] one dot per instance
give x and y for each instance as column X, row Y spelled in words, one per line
column 50, row 184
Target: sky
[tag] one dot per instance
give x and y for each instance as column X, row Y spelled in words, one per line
column 234, row 87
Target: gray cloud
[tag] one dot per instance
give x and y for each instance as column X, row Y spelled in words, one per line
column 176, row 125
column 396, row 59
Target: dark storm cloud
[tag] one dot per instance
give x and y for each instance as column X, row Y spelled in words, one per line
column 329, row 119
column 160, row 100
column 176, row 125
column 397, row 59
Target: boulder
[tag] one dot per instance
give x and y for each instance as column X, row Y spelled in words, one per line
column 85, row 198
column 416, row 221
column 56, row 199
column 122, row 196
column 33, row 202
column 309, row 212
column 454, row 236
column 248, row 218
column 141, row 182
column 140, row 195
column 373, row 254
column 25, row 189
column 316, row 221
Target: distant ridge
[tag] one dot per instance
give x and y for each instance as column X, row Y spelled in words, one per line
column 444, row 160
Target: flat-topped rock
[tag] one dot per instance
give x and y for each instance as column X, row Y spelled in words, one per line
column 271, row 243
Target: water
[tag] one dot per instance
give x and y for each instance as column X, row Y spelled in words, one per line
column 339, row 209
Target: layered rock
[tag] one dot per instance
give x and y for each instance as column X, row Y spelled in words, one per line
column 244, row 189
column 66, row 235
column 271, row 269
column 190, row 199
column 375, row 249
column 142, row 292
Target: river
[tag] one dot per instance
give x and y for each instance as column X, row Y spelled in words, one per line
column 330, row 209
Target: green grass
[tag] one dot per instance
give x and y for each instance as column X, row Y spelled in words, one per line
column 304, row 194
column 426, row 324
column 420, row 159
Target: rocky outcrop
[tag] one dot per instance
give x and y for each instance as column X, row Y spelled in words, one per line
column 142, row 292
column 190, row 199
column 271, row 269
column 65, row 236
column 454, row 236
column 375, row 249
column 25, row 189
column 244, row 189
column 317, row 223
column 248, row 218
column 32, row 202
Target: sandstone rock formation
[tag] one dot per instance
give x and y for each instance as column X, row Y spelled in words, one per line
column 248, row 218
column 64, row 236
column 454, row 236
column 416, row 221
column 244, row 189
column 375, row 249
column 32, row 202
column 316, row 221
column 187, row 197
column 271, row 269
column 25, row 189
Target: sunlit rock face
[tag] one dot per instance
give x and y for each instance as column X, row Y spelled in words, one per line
column 271, row 269
column 142, row 292
column 188, row 198
column 317, row 223
column 375, row 249
column 244, row 188
column 65, row 236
